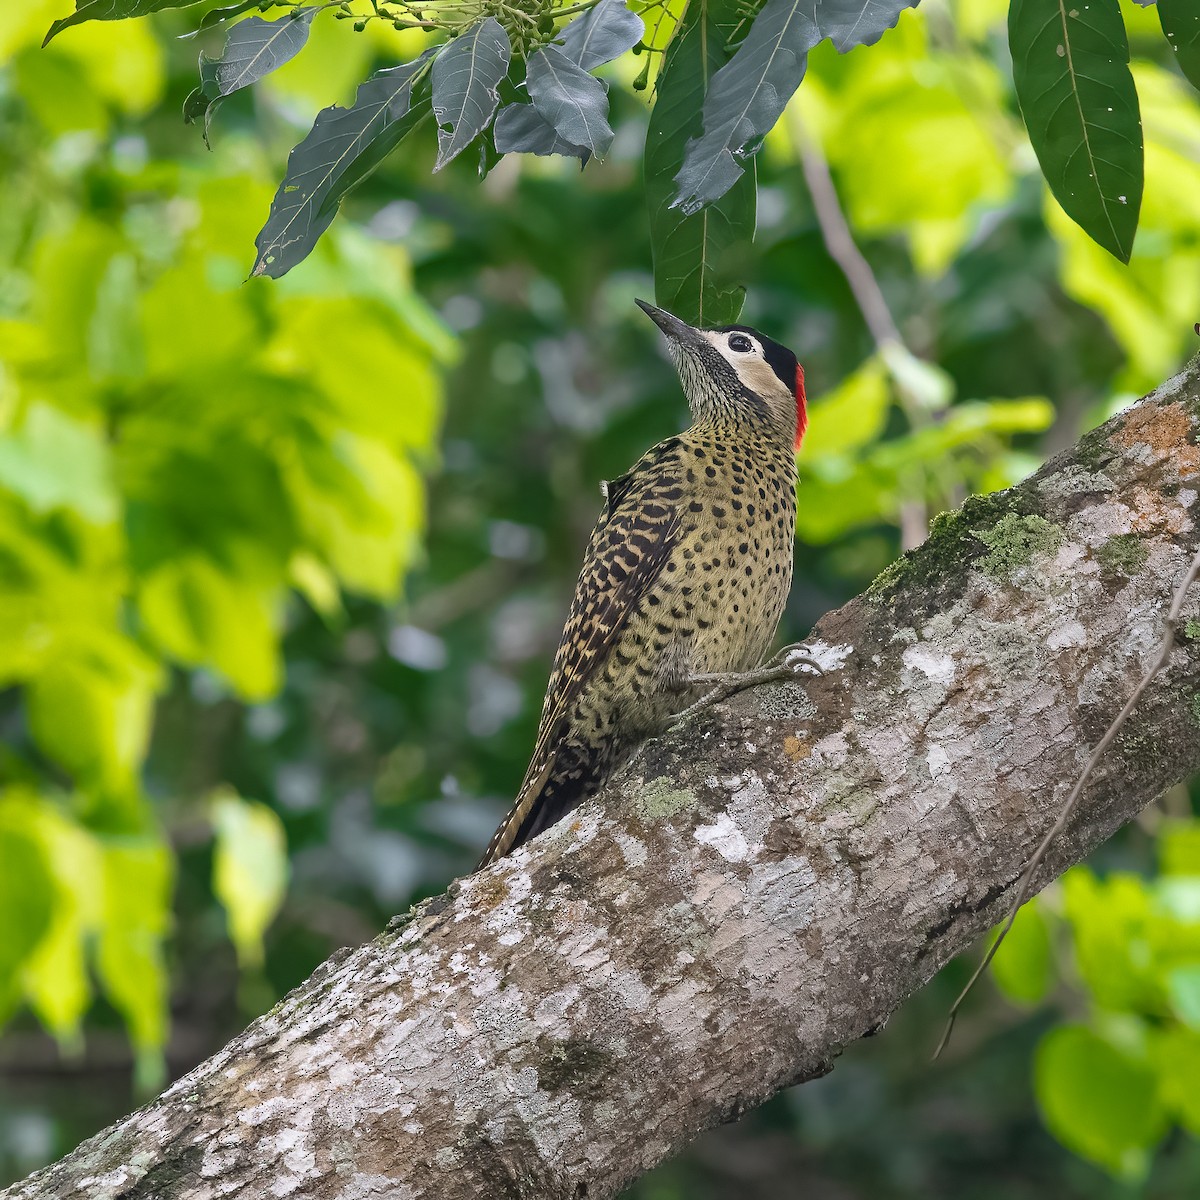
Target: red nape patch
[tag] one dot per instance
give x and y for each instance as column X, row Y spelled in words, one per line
column 801, row 406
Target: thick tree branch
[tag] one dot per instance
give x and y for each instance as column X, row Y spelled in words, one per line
column 751, row 895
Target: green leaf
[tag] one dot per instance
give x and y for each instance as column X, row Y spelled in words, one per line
column 1183, row 990
column 1178, row 1058
column 466, row 86
column 1023, row 966
column 138, row 875
column 202, row 615
column 53, row 461
column 601, row 34
column 1179, row 848
column 689, row 251
column 215, row 16
column 340, row 151
column 1099, row 1101
column 91, row 707
column 1110, row 920
column 749, row 94
column 593, row 38
column 1180, row 20
column 26, row 907
column 1077, row 95
column 253, row 49
column 56, row 980
column 850, row 416
column 112, row 10
column 572, row 102
column 250, row 870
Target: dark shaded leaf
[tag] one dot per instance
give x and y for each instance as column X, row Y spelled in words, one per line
column 521, row 129
column 748, row 95
column 216, row 15
column 1077, row 95
column 254, row 48
column 601, row 34
column 111, row 10
column 343, row 147
column 466, row 86
column 573, row 103
column 688, row 249
column 1180, row 20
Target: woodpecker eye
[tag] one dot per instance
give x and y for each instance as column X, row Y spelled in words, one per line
column 741, row 343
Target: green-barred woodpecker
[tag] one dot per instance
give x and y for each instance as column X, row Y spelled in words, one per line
column 686, row 574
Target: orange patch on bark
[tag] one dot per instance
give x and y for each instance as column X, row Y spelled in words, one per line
column 795, row 749
column 1165, row 429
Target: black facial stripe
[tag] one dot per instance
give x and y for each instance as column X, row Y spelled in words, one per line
column 779, row 358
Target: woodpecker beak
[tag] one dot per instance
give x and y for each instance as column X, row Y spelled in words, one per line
column 677, row 331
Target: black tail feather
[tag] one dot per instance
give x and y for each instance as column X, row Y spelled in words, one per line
column 574, row 777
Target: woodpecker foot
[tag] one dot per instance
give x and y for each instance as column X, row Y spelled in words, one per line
column 790, row 662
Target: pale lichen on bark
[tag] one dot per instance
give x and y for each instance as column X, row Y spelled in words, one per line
column 754, row 892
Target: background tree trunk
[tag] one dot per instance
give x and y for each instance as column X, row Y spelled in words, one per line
column 753, row 893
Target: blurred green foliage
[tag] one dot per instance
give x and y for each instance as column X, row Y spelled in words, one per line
column 282, row 564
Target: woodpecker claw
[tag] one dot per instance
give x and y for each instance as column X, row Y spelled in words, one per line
column 787, row 664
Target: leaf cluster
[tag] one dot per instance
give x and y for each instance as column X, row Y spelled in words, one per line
column 1110, row 1086
column 510, row 74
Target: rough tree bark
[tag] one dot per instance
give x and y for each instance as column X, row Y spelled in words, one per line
column 753, row 893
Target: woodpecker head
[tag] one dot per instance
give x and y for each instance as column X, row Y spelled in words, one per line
column 737, row 373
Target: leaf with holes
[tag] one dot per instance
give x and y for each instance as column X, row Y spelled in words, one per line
column 111, row 10
column 689, row 250
column 342, row 148
column 254, row 48
column 749, row 93
column 466, row 86
column 1072, row 77
column 1180, row 21
column 572, row 102
column 601, row 34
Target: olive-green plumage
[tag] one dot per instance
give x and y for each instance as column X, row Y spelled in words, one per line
column 687, row 572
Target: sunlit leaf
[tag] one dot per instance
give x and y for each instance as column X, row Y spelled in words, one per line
column 1178, row 1060
column 466, row 82
column 1178, row 845
column 54, row 461
column 138, row 878
column 1071, row 71
column 90, row 708
column 112, row 10
column 201, row 615
column 342, row 148
column 250, row 870
column 26, row 906
column 692, row 253
column 850, row 416
column 1183, row 989
column 1023, row 967
column 1098, row 1100
column 1109, row 919
column 55, row 978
